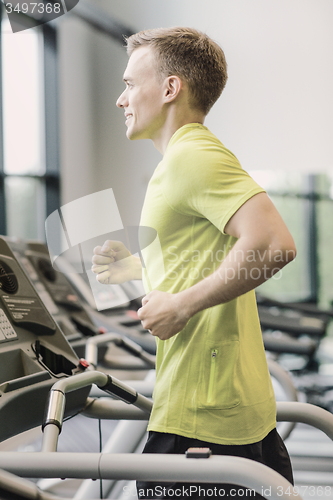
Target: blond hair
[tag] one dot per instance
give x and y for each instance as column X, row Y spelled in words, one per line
column 189, row 54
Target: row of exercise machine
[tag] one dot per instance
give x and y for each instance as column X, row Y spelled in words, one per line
column 60, row 357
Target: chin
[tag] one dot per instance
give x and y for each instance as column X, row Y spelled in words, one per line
column 129, row 135
column 134, row 136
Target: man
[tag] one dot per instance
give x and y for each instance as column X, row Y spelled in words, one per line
column 220, row 237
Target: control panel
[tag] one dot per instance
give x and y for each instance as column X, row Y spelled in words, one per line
column 7, row 331
column 34, row 352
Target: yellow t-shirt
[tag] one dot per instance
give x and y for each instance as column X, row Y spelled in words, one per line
column 212, row 378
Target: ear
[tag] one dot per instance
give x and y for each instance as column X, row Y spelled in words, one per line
column 173, row 86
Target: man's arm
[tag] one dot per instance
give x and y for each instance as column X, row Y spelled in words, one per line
column 264, row 246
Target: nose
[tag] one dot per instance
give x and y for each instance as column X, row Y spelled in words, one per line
column 121, row 101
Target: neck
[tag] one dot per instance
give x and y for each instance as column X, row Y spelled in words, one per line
column 173, row 122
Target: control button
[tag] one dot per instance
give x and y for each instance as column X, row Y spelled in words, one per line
column 83, row 363
column 72, row 298
column 198, row 453
column 132, row 314
column 6, row 329
column 9, row 332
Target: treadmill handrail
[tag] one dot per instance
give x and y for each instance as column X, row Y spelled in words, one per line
column 55, row 407
column 93, row 344
column 287, row 411
column 287, row 384
column 306, row 413
column 154, row 467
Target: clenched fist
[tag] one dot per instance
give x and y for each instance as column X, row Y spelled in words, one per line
column 114, row 264
column 163, row 314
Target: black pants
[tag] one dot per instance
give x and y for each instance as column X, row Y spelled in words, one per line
column 271, row 451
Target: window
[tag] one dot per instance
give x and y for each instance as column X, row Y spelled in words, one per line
column 305, row 202
column 29, row 184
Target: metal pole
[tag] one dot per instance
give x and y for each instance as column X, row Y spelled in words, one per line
column 307, row 414
column 110, row 409
column 124, row 439
column 50, row 438
column 56, row 403
column 285, row 380
column 312, row 230
column 151, row 467
column 144, row 387
column 93, row 343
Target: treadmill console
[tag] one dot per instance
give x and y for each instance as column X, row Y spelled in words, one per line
column 34, row 352
column 56, row 292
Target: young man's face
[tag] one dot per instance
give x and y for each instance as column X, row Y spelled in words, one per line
column 142, row 99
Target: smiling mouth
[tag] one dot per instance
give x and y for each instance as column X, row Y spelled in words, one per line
column 128, row 117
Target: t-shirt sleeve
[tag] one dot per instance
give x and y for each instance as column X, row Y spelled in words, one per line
column 208, row 183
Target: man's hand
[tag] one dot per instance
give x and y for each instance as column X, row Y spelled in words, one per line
column 163, row 314
column 114, row 264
